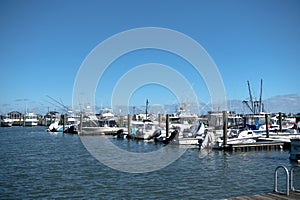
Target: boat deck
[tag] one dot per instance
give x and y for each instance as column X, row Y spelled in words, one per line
column 269, row 196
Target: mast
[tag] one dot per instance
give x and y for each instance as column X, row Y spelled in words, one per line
column 251, row 98
column 254, row 106
column 147, row 102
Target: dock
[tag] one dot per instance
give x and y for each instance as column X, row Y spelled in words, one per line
column 269, row 196
column 257, row 146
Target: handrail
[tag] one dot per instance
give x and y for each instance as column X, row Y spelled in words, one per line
column 292, row 178
column 287, row 179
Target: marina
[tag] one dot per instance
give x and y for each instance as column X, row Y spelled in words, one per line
column 225, row 155
column 158, row 100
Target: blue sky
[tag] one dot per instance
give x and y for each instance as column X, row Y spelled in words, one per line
column 43, row 43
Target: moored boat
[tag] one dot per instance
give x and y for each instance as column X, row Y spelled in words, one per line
column 30, row 119
column 144, row 130
column 104, row 123
column 6, row 122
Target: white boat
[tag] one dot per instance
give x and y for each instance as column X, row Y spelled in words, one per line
column 70, row 121
column 105, row 124
column 99, row 130
column 6, row 122
column 215, row 120
column 31, row 119
column 295, row 149
column 189, row 128
column 209, row 141
column 144, row 130
column 189, row 141
column 50, row 118
column 192, row 135
column 257, row 123
column 243, row 137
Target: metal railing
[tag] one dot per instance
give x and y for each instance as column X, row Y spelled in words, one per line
column 292, row 178
column 289, row 179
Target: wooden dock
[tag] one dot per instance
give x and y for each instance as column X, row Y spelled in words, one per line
column 257, row 146
column 270, row 196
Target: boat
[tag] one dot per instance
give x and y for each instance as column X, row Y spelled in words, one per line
column 16, row 117
column 31, row 119
column 104, row 123
column 240, row 137
column 71, row 129
column 50, row 118
column 60, row 124
column 295, row 149
column 144, row 130
column 172, row 139
column 192, row 135
column 6, row 122
column 54, row 127
column 187, row 127
column 208, row 142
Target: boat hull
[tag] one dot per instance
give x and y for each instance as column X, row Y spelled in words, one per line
column 30, row 123
column 99, row 130
column 6, row 124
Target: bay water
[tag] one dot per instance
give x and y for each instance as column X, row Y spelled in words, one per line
column 35, row 164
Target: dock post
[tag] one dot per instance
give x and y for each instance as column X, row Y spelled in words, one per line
column 81, row 119
column 167, row 125
column 63, row 118
column 129, row 123
column 121, row 121
column 267, row 125
column 24, row 120
column 159, row 119
column 225, row 124
column 280, row 122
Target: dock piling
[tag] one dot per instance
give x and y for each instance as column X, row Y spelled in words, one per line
column 267, row 125
column 280, row 122
column 64, row 122
column 167, row 125
column 81, row 119
column 129, row 123
column 225, row 124
column 159, row 119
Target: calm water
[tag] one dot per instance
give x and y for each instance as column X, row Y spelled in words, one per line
column 36, row 164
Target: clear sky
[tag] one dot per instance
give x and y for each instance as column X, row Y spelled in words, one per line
column 43, row 44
